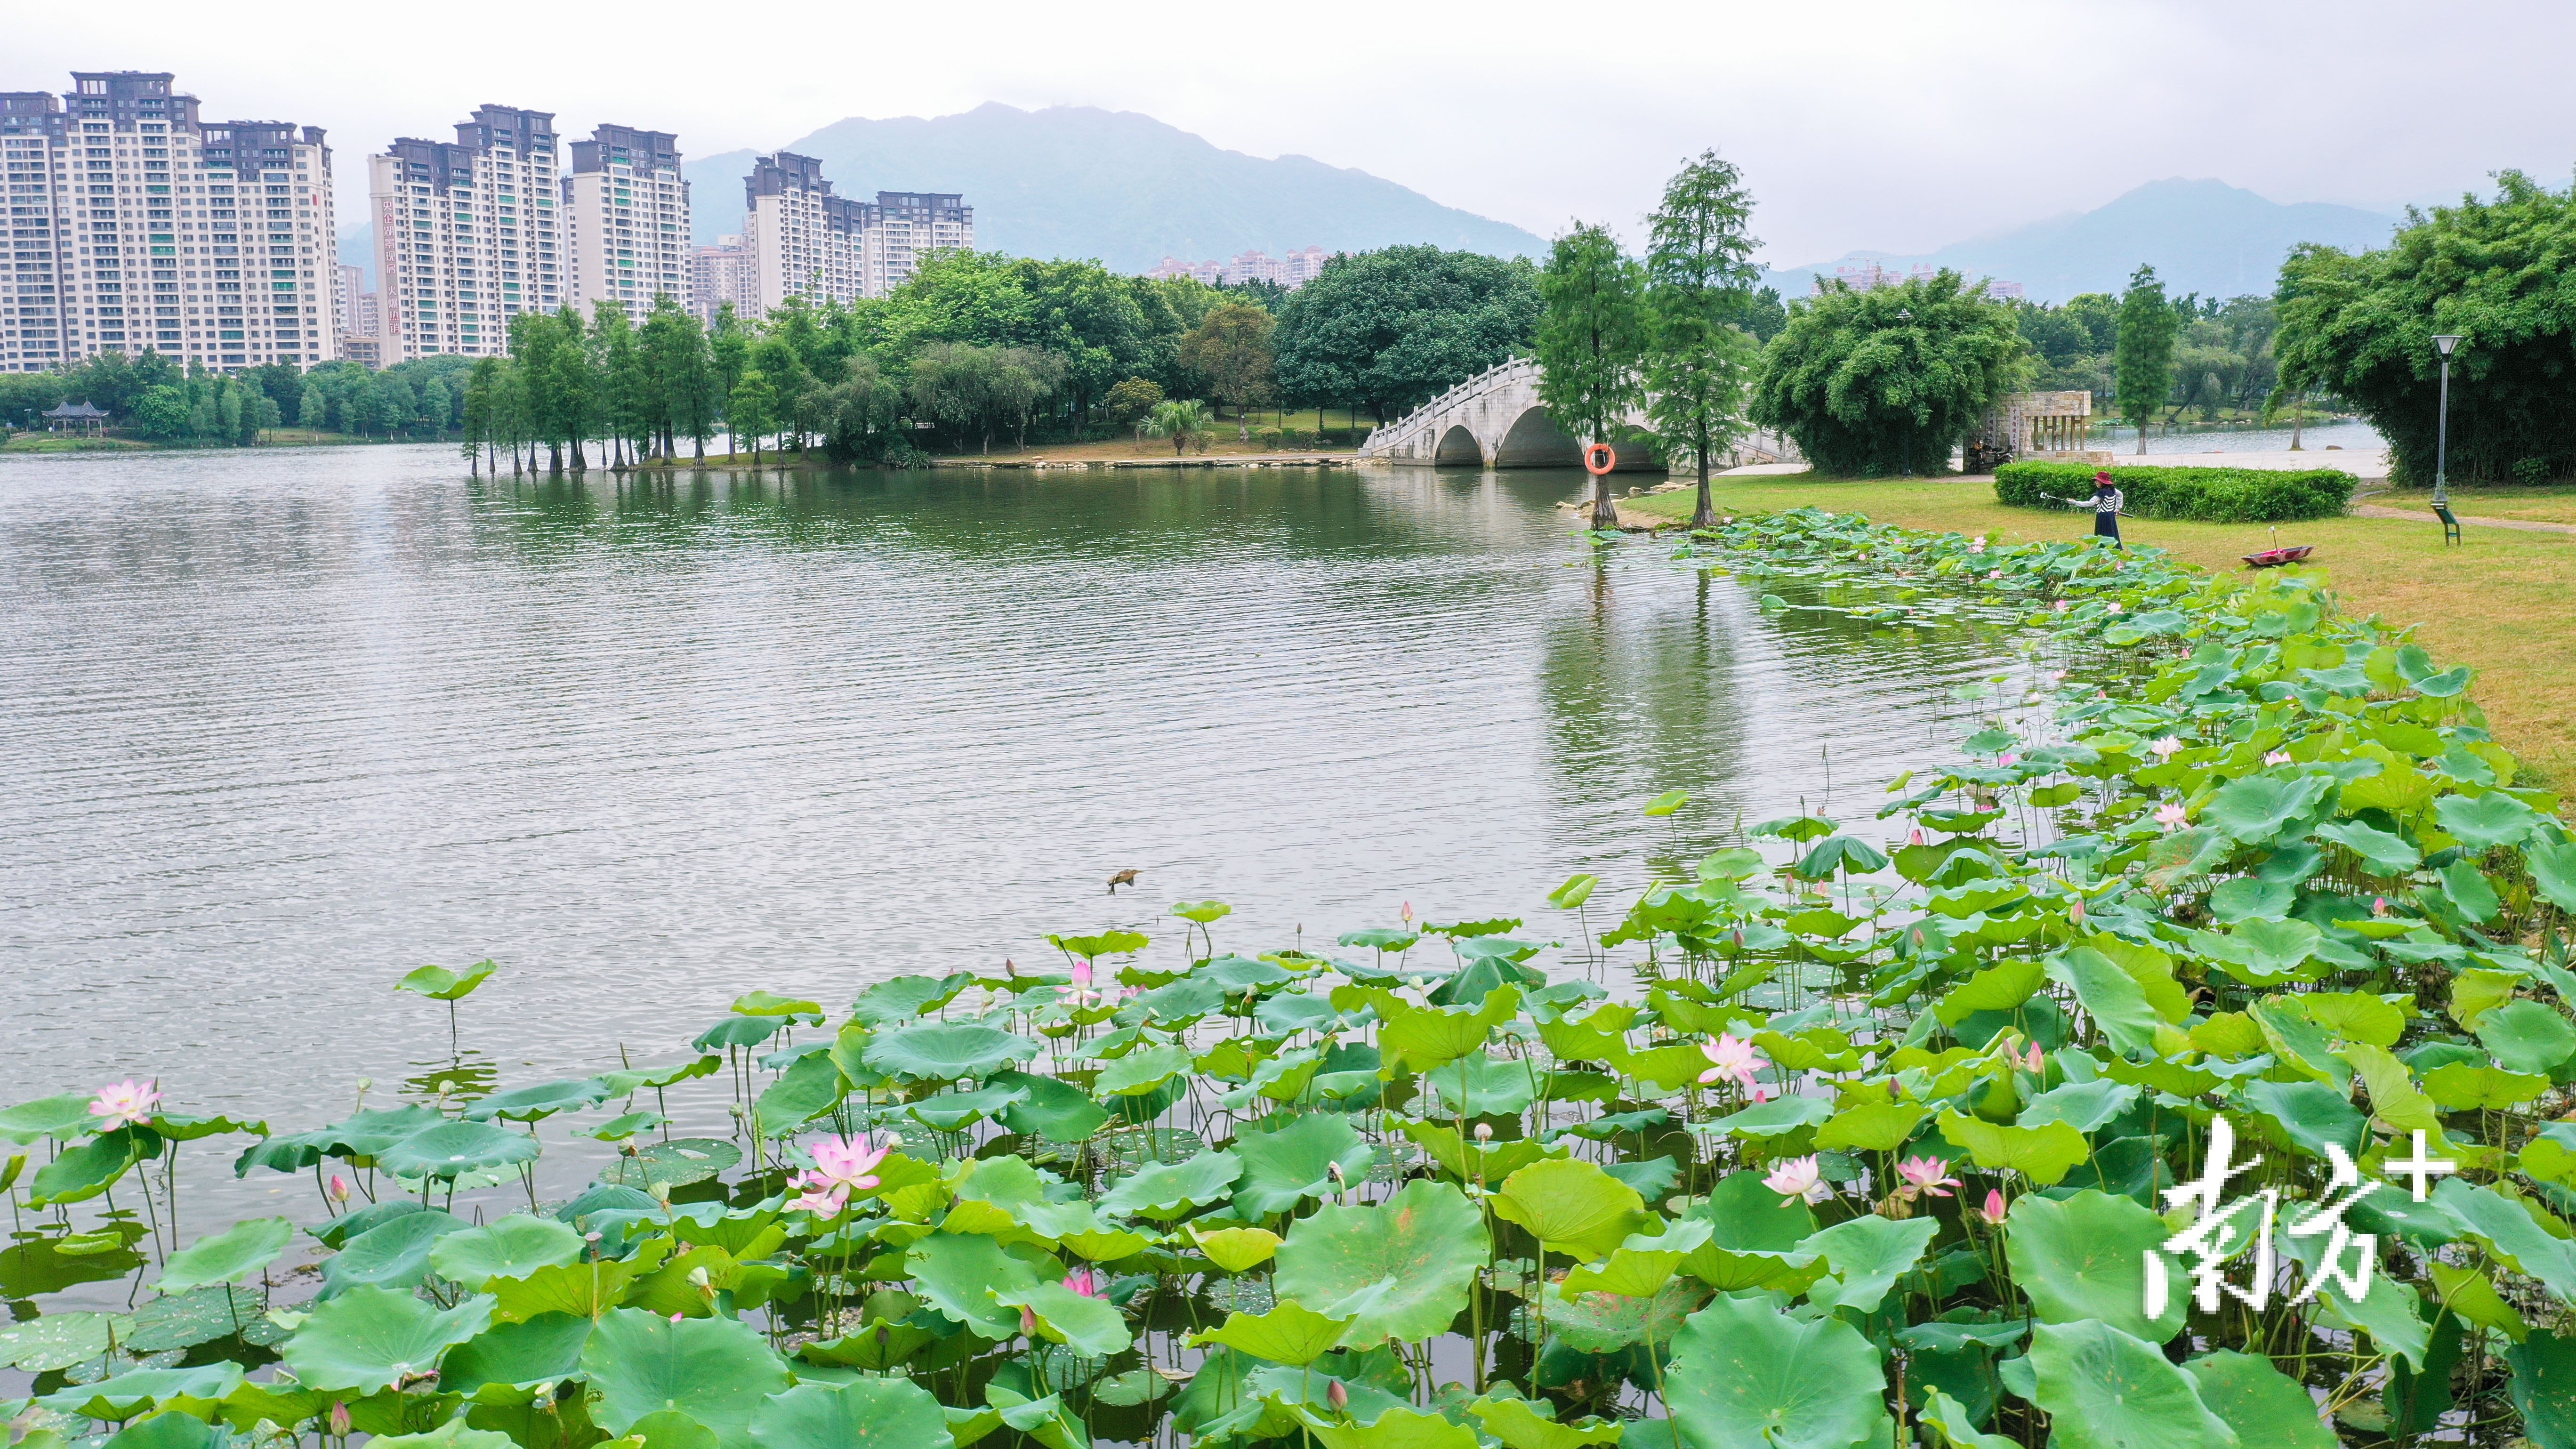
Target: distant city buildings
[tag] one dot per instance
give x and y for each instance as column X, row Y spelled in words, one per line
column 626, row 221
column 135, row 226
column 801, row 240
column 720, row 274
column 1870, row 276
column 467, row 235
column 1300, row 266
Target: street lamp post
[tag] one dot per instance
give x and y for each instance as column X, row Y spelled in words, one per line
column 2442, row 428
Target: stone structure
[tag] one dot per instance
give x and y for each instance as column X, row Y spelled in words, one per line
column 2049, row 426
column 1493, row 420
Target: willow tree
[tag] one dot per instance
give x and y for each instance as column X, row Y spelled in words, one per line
column 1591, row 343
column 1699, row 287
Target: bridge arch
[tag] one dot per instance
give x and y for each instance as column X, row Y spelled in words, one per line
column 1535, row 441
column 1459, row 448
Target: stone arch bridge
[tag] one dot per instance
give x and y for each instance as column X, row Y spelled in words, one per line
column 1493, row 420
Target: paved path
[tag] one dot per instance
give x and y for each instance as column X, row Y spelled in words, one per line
column 2425, row 515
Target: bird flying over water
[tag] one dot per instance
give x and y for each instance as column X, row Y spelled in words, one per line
column 1124, row 877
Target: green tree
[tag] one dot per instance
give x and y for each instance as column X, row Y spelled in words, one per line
column 2142, row 359
column 861, row 413
column 312, row 407
column 1183, row 420
column 1129, row 402
column 729, row 356
column 1699, row 274
column 625, row 390
column 682, row 377
column 1888, row 380
column 752, row 410
column 2360, row 327
column 573, row 385
column 1391, row 329
column 162, row 411
column 1230, row 350
column 1591, row 343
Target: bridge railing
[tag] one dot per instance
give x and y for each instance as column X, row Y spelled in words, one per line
column 1391, row 433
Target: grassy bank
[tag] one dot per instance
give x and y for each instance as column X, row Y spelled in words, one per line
column 2496, row 602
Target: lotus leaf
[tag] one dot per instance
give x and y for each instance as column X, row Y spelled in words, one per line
column 2106, row 1389
column 2084, row 1106
column 453, row 1149
column 440, row 984
column 1426, row 1036
column 717, row 1371
column 124, row 1395
column 1571, row 1206
column 2085, row 1258
column 1606, row 1322
column 395, row 1253
column 60, row 1116
column 954, row 1273
column 2043, row 1154
column 2456, row 1086
column 2384, row 853
column 1396, row 1428
column 372, row 1338
column 2483, row 822
column 2311, row 1115
column 1399, row 1268
column 1745, row 1376
column 529, row 1104
column 59, row 1340
column 1142, row 1070
column 543, row 1349
column 676, row 1163
column 1772, row 1118
column 945, row 1051
column 2471, row 1295
column 84, row 1171
column 2527, row 1036
column 202, row 1315
column 1519, row 1426
column 2544, row 1387
column 810, row 1087
column 167, row 1431
column 509, row 1247
column 1090, row 1326
column 904, row 999
column 1868, row 1254
column 2262, row 1404
column 1643, row 1264
column 2512, row 1234
column 235, row 1253
column 1284, row 1168
column 894, row 1413
column 1480, row 1085
column 1291, row 1334
column 1164, row 1190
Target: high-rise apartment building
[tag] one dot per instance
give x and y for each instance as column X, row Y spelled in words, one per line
column 626, row 220
column 800, row 240
column 720, row 274
column 136, row 227
column 466, row 234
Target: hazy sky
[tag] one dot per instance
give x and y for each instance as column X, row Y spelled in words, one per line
column 1890, row 126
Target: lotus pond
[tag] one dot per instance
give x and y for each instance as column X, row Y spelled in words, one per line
column 1864, row 1129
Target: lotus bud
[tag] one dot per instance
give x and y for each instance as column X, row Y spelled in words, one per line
column 698, row 1278
column 1028, row 1321
column 1993, row 1211
column 885, row 1336
column 339, row 1419
column 676, row 1317
column 545, row 1399
column 339, row 1188
column 1484, row 1132
column 661, row 1192
column 1337, row 1397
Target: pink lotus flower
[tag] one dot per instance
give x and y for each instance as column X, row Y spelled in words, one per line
column 2034, row 1061
column 1028, row 1321
column 2062, row 607
column 2171, row 815
column 339, row 1188
column 2166, row 748
column 1730, row 1056
column 339, row 1419
column 847, row 1161
column 1977, row 544
column 126, row 1103
column 2057, row 676
column 1406, row 915
column 2007, row 758
column 1337, row 1397
column 1915, row 836
column 1079, row 1280
column 1926, row 1174
column 1762, row 1094
column 1081, row 994
column 2277, row 757
column 2076, row 908
column 819, row 1202
column 1993, row 1211
column 1797, row 1177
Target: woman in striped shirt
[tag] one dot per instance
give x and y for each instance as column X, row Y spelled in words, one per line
column 2105, row 503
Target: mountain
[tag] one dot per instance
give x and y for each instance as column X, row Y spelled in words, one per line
column 1077, row 181
column 2201, row 236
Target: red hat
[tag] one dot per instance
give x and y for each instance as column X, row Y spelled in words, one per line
column 2104, row 476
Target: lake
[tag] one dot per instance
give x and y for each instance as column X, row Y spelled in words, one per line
column 282, row 725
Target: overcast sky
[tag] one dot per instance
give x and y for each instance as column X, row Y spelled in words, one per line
column 1897, row 127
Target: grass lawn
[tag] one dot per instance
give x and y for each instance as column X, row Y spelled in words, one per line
column 67, row 443
column 1222, row 443
column 2499, row 601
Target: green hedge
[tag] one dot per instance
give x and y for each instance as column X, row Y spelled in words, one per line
column 2209, row 495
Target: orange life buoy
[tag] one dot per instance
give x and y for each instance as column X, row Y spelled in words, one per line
column 1600, row 458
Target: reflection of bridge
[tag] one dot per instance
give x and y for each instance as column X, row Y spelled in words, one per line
column 1493, row 420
